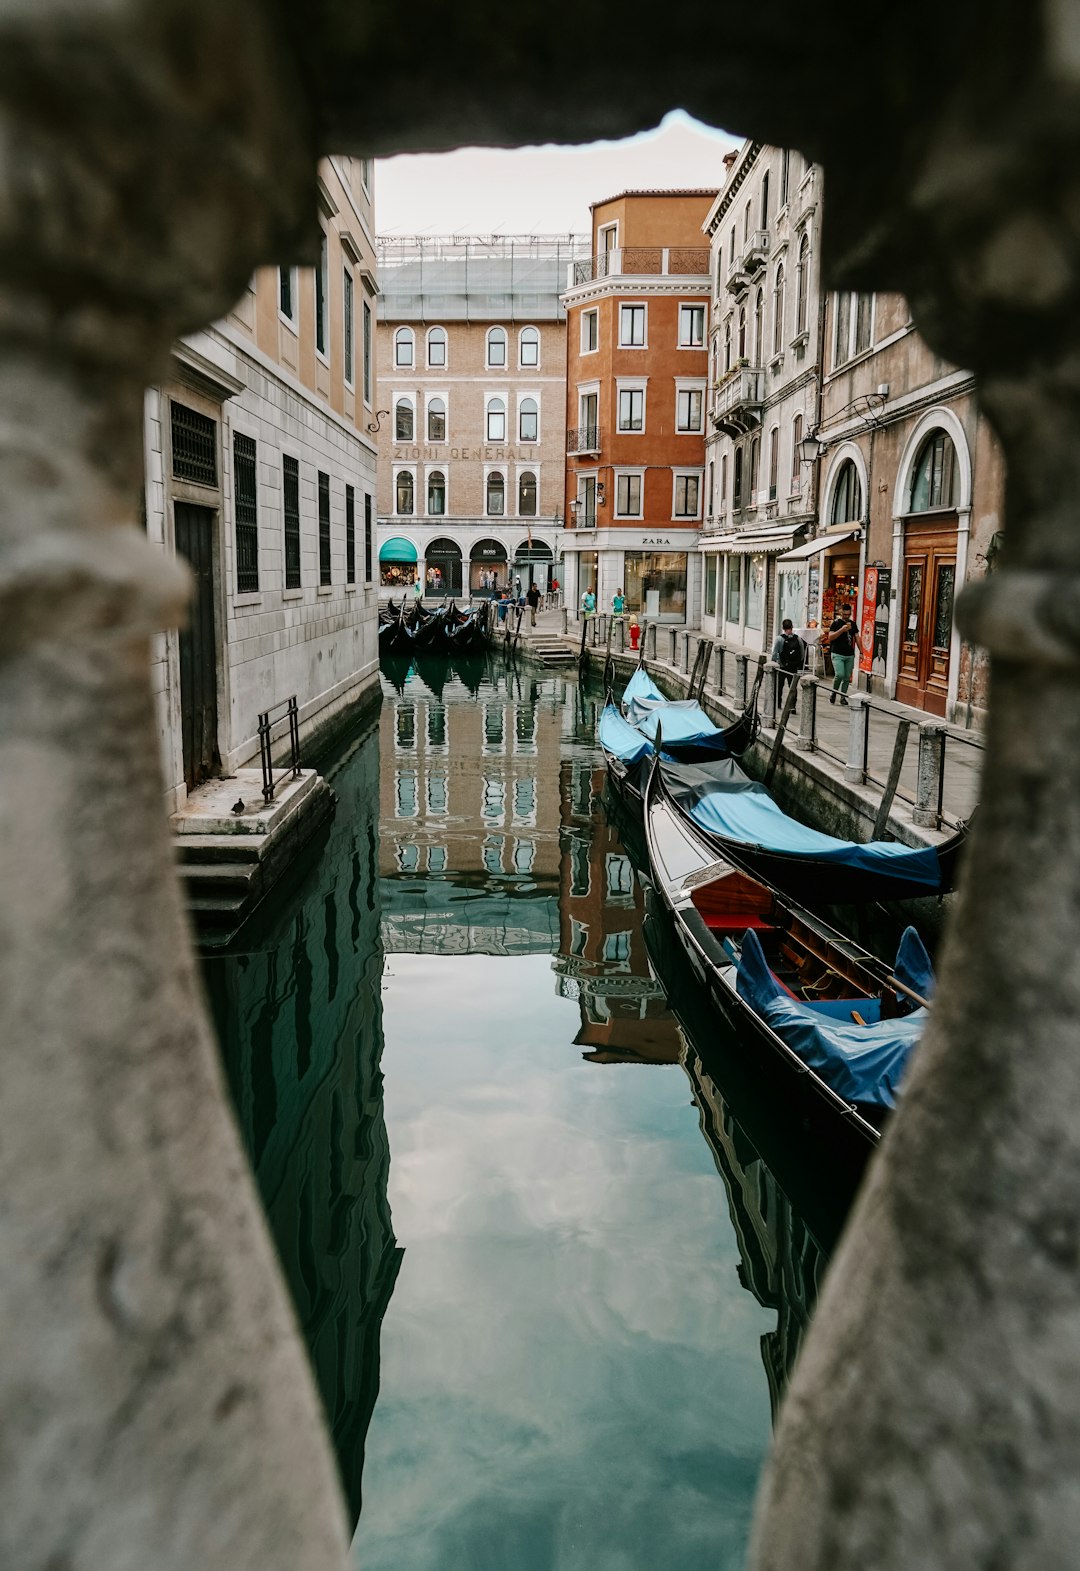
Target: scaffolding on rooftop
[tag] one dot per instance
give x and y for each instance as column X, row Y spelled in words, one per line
column 482, row 278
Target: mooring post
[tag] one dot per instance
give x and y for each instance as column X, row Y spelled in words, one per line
column 742, row 663
column 767, row 698
column 565, row 621
column 929, row 777
column 807, row 738
column 718, row 668
column 858, row 739
column 650, row 641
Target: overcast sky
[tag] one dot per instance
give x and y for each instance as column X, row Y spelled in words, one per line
column 540, row 190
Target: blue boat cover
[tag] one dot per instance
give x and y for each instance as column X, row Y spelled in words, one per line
column 861, row 1063
column 621, row 739
column 742, row 810
column 682, row 721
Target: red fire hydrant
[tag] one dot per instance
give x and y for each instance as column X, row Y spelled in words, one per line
column 635, row 635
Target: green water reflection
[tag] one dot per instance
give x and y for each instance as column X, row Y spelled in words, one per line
column 563, row 1315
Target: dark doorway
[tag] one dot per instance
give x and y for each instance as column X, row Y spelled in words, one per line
column 198, row 660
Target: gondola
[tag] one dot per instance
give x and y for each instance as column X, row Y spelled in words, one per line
column 823, row 1018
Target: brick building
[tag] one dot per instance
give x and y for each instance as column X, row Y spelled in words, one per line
column 471, row 411
column 637, row 318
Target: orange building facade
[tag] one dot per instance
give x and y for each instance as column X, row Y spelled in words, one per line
column 637, row 351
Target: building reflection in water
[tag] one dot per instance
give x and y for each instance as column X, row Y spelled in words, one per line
column 296, row 999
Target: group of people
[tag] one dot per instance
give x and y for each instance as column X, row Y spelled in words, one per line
column 841, row 641
column 588, row 603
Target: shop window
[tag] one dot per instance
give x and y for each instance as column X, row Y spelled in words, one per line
column 755, row 591
column 734, row 588
column 655, row 583
column 710, row 583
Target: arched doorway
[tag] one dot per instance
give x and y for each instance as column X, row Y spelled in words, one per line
column 928, row 575
column 533, row 563
column 442, row 571
column 488, row 570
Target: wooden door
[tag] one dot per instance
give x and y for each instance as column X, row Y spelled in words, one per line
column 925, row 605
column 198, row 653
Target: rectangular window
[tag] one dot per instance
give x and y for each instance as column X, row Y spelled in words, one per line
column 755, row 590
column 368, row 539
column 691, row 326
column 367, row 353
column 324, row 528
column 687, row 495
column 350, row 535
column 864, row 307
column 631, row 327
column 710, row 584
column 347, row 309
column 320, row 297
column 194, row 445
column 290, row 476
column 631, row 409
column 590, row 331
column 690, row 410
column 586, row 511
column 628, row 496
column 245, row 498
column 285, row 292
column 734, row 588
column 588, row 415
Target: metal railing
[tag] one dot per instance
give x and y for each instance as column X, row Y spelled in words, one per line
column 291, row 718
column 583, row 439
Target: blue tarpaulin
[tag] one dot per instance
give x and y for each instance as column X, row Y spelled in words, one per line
column 743, row 810
column 620, row 738
column 861, row 1063
column 682, row 721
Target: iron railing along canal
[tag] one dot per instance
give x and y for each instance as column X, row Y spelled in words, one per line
column 269, row 720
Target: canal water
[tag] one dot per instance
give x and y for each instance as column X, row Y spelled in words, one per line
column 550, row 1288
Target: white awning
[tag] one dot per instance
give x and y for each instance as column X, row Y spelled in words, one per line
column 812, row 547
column 751, row 542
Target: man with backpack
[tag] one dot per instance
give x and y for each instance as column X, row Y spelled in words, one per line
column 788, row 653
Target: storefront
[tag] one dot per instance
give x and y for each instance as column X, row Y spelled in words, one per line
column 744, row 596
column 488, row 569
column 397, row 563
column 816, row 577
column 534, row 563
column 588, row 567
column 654, row 584
column 442, row 575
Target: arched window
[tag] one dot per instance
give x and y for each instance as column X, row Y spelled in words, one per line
column 746, row 222
column 528, row 420
column 934, row 482
column 496, row 420
column 765, row 200
column 796, row 456
column 436, row 347
column 736, row 484
column 527, row 495
column 755, row 451
column 496, row 494
column 404, row 423
column 403, row 346
column 727, row 345
column 436, row 419
column 778, row 311
column 774, row 461
column 436, row 492
column 742, row 332
column 529, row 347
column 496, row 346
column 802, row 284
column 759, row 326
column 847, row 495
column 404, row 492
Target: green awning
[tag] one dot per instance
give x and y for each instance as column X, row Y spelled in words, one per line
column 397, row 550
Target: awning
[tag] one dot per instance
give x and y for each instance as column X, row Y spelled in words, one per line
column 812, row 547
column 752, row 542
column 397, row 550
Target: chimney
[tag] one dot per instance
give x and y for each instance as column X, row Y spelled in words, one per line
column 729, row 159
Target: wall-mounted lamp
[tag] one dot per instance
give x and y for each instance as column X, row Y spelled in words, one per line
column 810, row 448
column 556, row 517
column 574, row 506
column 868, row 405
column 600, row 493
column 374, row 425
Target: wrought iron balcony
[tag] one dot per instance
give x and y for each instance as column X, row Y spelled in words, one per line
column 738, row 401
column 755, row 252
column 583, row 439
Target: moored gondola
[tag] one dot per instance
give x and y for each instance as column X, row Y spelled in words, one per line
column 823, row 1017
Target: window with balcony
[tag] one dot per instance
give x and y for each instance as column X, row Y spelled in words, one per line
column 496, row 348
column 404, row 347
column 631, row 409
column 588, row 434
column 690, row 410
column 436, row 348
column 528, row 420
column 495, row 420
column 404, row 493
column 527, row 494
column 590, row 332
column 627, row 496
column 436, row 493
column 691, row 326
column 632, row 327
column 687, row 496
column 529, row 348
column 495, row 498
column 404, row 421
column 436, row 419
column 585, row 516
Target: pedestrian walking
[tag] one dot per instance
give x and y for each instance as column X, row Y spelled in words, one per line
column 533, row 598
column 842, row 640
column 588, row 602
column 788, row 652
column 618, row 603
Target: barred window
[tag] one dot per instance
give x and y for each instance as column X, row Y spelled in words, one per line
column 368, row 540
column 290, row 474
column 245, row 499
column 194, row 445
column 350, row 535
column 324, row 528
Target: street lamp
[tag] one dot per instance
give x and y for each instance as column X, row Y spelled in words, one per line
column 810, row 448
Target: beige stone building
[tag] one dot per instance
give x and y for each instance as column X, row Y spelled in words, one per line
column 260, row 469
column 471, row 412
